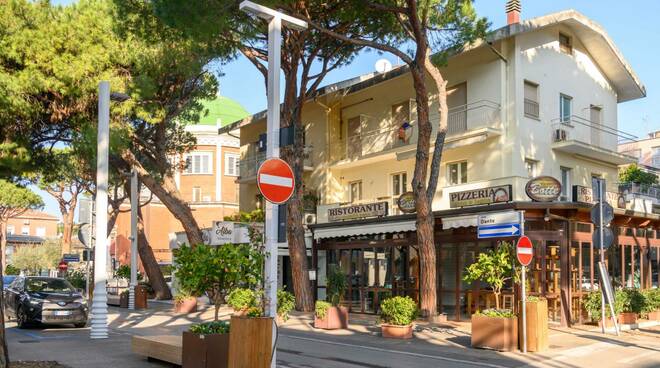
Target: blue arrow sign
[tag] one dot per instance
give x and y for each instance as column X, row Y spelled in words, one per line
column 499, row 230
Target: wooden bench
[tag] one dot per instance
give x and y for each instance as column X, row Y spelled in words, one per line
column 164, row 347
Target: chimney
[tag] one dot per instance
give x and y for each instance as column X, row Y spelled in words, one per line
column 513, row 12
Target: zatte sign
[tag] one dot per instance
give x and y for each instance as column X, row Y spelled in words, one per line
column 275, row 180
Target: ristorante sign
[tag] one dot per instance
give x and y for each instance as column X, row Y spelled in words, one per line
column 586, row 195
column 358, row 211
column 481, row 196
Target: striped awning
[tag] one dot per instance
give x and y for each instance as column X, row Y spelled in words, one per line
column 459, row 221
column 364, row 229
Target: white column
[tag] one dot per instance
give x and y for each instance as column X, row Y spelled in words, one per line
column 135, row 203
column 99, row 310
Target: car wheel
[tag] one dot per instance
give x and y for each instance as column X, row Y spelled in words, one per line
column 21, row 318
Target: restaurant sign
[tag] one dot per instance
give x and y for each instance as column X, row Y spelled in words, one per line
column 475, row 197
column 586, row 195
column 358, row 211
column 406, row 202
column 543, row 189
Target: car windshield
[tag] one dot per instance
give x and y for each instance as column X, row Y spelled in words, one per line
column 6, row 280
column 48, row 285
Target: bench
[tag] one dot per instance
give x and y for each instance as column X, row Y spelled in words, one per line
column 166, row 348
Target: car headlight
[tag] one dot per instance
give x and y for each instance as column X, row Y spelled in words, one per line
column 80, row 300
column 36, row 301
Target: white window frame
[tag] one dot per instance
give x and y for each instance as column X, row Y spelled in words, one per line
column 534, row 167
column 11, row 230
column 196, row 194
column 564, row 97
column 24, row 231
column 350, row 191
column 190, row 166
column 228, row 167
column 40, row 231
column 459, row 170
column 566, row 187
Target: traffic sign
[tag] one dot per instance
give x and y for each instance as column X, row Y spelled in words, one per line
column 62, row 266
column 275, row 180
column 608, row 213
column 71, row 258
column 499, row 224
column 524, row 251
column 608, row 237
column 85, row 234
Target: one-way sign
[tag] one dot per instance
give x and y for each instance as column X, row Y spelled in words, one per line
column 498, row 231
column 499, row 224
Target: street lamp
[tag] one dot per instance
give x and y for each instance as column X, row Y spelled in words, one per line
column 275, row 20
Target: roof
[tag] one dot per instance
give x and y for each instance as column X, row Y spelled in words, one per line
column 32, row 214
column 24, row 239
column 626, row 83
column 221, row 109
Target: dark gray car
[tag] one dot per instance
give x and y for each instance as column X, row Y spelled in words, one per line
column 46, row 300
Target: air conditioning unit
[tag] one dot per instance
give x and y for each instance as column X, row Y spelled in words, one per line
column 309, row 219
column 560, row 135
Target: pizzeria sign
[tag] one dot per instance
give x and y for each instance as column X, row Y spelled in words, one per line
column 475, row 197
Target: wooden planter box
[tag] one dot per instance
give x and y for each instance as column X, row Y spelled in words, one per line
column 250, row 342
column 188, row 305
column 537, row 326
column 494, row 333
column 627, row 318
column 397, row 332
column 205, row 351
column 654, row 316
column 336, row 318
column 140, row 297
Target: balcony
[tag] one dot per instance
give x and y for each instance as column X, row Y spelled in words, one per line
column 249, row 165
column 578, row 136
column 648, row 191
column 472, row 123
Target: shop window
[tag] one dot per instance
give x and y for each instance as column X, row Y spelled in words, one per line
column 639, row 233
column 654, row 257
column 582, row 227
column 355, row 191
column 587, row 281
column 613, row 256
column 629, row 231
column 457, row 173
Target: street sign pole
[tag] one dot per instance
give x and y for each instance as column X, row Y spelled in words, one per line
column 135, row 203
column 602, row 249
column 524, row 288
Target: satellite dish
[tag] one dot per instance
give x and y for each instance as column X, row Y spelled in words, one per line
column 383, row 65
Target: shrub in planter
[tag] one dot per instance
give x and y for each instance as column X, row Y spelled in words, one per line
column 206, row 345
column 629, row 303
column 286, row 301
column 651, row 308
column 331, row 315
column 241, row 300
column 255, row 329
column 185, row 302
column 397, row 315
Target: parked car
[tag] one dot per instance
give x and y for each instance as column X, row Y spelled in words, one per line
column 7, row 280
column 46, row 300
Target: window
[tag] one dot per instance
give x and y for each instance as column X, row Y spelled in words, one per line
column 231, row 164
column 565, row 110
column 196, row 194
column 457, row 173
column 41, row 231
column 400, row 114
column 25, row 230
column 531, row 100
column 565, row 43
column 655, row 159
column 356, row 191
column 530, row 166
column 565, row 183
column 399, row 184
column 10, row 229
column 199, row 163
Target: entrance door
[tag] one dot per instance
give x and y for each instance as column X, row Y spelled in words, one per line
column 545, row 272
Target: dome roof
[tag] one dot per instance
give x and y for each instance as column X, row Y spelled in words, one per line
column 221, row 108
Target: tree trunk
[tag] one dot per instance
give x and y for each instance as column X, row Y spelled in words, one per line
column 298, row 255
column 4, row 353
column 150, row 264
column 3, row 245
column 67, row 232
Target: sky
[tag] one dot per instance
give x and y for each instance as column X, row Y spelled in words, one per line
column 633, row 26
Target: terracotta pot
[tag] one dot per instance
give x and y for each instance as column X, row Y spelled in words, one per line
column 205, row 351
column 188, row 305
column 335, row 318
column 397, row 332
column 494, row 332
column 654, row 316
column 627, row 318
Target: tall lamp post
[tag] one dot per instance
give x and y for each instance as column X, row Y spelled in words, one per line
column 275, row 21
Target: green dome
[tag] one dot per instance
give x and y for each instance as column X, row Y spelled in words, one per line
column 222, row 108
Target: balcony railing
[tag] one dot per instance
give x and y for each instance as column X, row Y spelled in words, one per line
column 582, row 130
column 531, row 108
column 475, row 115
column 643, row 190
column 249, row 165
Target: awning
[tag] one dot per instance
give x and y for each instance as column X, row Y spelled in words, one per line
column 364, row 229
column 459, row 221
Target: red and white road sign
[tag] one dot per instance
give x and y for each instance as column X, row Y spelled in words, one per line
column 275, row 180
column 524, row 251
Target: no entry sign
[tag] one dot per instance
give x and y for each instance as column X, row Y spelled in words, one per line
column 275, row 180
column 524, row 251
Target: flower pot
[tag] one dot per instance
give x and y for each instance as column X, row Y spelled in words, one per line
column 250, row 342
column 335, row 318
column 654, row 316
column 187, row 305
column 627, row 318
column 536, row 325
column 123, row 300
column 496, row 333
column 205, row 351
column 140, row 297
column 397, row 332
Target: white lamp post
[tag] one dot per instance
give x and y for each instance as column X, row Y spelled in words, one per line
column 134, row 238
column 275, row 20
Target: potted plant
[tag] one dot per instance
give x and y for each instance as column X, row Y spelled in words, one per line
column 185, row 302
column 256, row 329
column 206, row 345
column 592, row 304
column 286, row 301
column 536, row 311
column 330, row 316
column 496, row 329
column 397, row 315
column 651, row 304
column 629, row 304
column 241, row 300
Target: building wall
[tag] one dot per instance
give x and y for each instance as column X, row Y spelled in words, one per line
column 32, row 222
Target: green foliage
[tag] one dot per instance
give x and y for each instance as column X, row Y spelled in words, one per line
column 35, row 258
column 336, row 284
column 629, row 300
column 254, row 312
column 218, row 270
column 257, row 215
column 534, row 299
column 634, row 174
column 11, row 270
column 182, row 296
column 208, row 328
column 398, row 310
column 240, row 299
column 286, row 301
column 493, row 267
column 77, row 278
column 321, row 309
column 497, row 313
column 124, row 272
column 651, row 300
column 15, row 200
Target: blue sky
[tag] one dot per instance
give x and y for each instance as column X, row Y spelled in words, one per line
column 632, row 24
